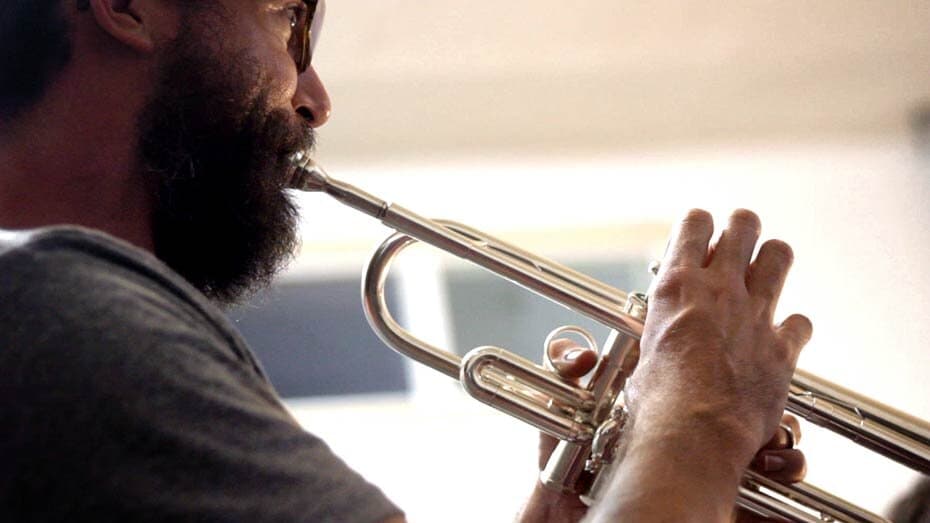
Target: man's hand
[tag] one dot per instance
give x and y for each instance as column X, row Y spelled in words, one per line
column 777, row 459
column 711, row 384
column 710, row 336
column 545, row 505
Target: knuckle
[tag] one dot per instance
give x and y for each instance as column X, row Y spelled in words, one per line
column 806, row 322
column 672, row 283
column 782, row 348
column 794, row 333
column 764, row 295
column 777, row 251
column 803, row 327
column 698, row 217
column 745, row 219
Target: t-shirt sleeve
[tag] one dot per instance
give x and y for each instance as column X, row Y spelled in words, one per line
column 126, row 404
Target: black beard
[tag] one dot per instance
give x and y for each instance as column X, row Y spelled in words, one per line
column 217, row 157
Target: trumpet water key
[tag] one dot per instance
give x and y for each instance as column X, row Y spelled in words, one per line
column 589, row 420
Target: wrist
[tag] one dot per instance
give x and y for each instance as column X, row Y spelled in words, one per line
column 547, row 505
column 709, row 430
column 686, row 468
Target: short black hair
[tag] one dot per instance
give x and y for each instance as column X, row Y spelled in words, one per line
column 35, row 44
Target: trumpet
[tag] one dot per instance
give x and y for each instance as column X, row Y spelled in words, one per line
column 589, row 420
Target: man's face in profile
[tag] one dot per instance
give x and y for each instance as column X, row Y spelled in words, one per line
column 216, row 153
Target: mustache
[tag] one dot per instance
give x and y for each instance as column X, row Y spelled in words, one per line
column 290, row 131
column 285, row 135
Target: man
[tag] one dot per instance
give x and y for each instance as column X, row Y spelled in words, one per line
column 159, row 132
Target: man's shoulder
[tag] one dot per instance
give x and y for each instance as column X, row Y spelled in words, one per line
column 79, row 297
column 79, row 264
column 66, row 283
column 66, row 247
column 66, row 271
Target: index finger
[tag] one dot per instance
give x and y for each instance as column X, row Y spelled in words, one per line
column 569, row 360
column 688, row 246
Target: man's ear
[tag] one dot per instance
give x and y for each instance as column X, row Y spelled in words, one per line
column 135, row 23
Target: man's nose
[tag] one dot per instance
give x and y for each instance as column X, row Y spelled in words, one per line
column 311, row 101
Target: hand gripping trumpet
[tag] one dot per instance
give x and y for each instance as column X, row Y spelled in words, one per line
column 589, row 420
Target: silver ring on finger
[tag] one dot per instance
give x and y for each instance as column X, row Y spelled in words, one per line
column 789, row 432
column 654, row 267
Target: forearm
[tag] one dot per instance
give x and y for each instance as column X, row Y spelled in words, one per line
column 669, row 474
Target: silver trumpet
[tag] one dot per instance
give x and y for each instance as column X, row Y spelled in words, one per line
column 589, row 421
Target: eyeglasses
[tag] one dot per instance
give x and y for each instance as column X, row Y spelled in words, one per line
column 306, row 32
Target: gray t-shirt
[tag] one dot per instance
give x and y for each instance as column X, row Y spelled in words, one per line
column 126, row 396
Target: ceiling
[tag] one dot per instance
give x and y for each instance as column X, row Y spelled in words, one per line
column 415, row 78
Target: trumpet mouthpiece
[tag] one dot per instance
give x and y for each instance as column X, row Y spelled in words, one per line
column 306, row 175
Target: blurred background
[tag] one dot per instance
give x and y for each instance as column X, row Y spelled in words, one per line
column 583, row 131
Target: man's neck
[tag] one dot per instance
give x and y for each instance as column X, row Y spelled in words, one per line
column 71, row 160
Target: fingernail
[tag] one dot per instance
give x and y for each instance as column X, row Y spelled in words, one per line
column 572, row 354
column 773, row 463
